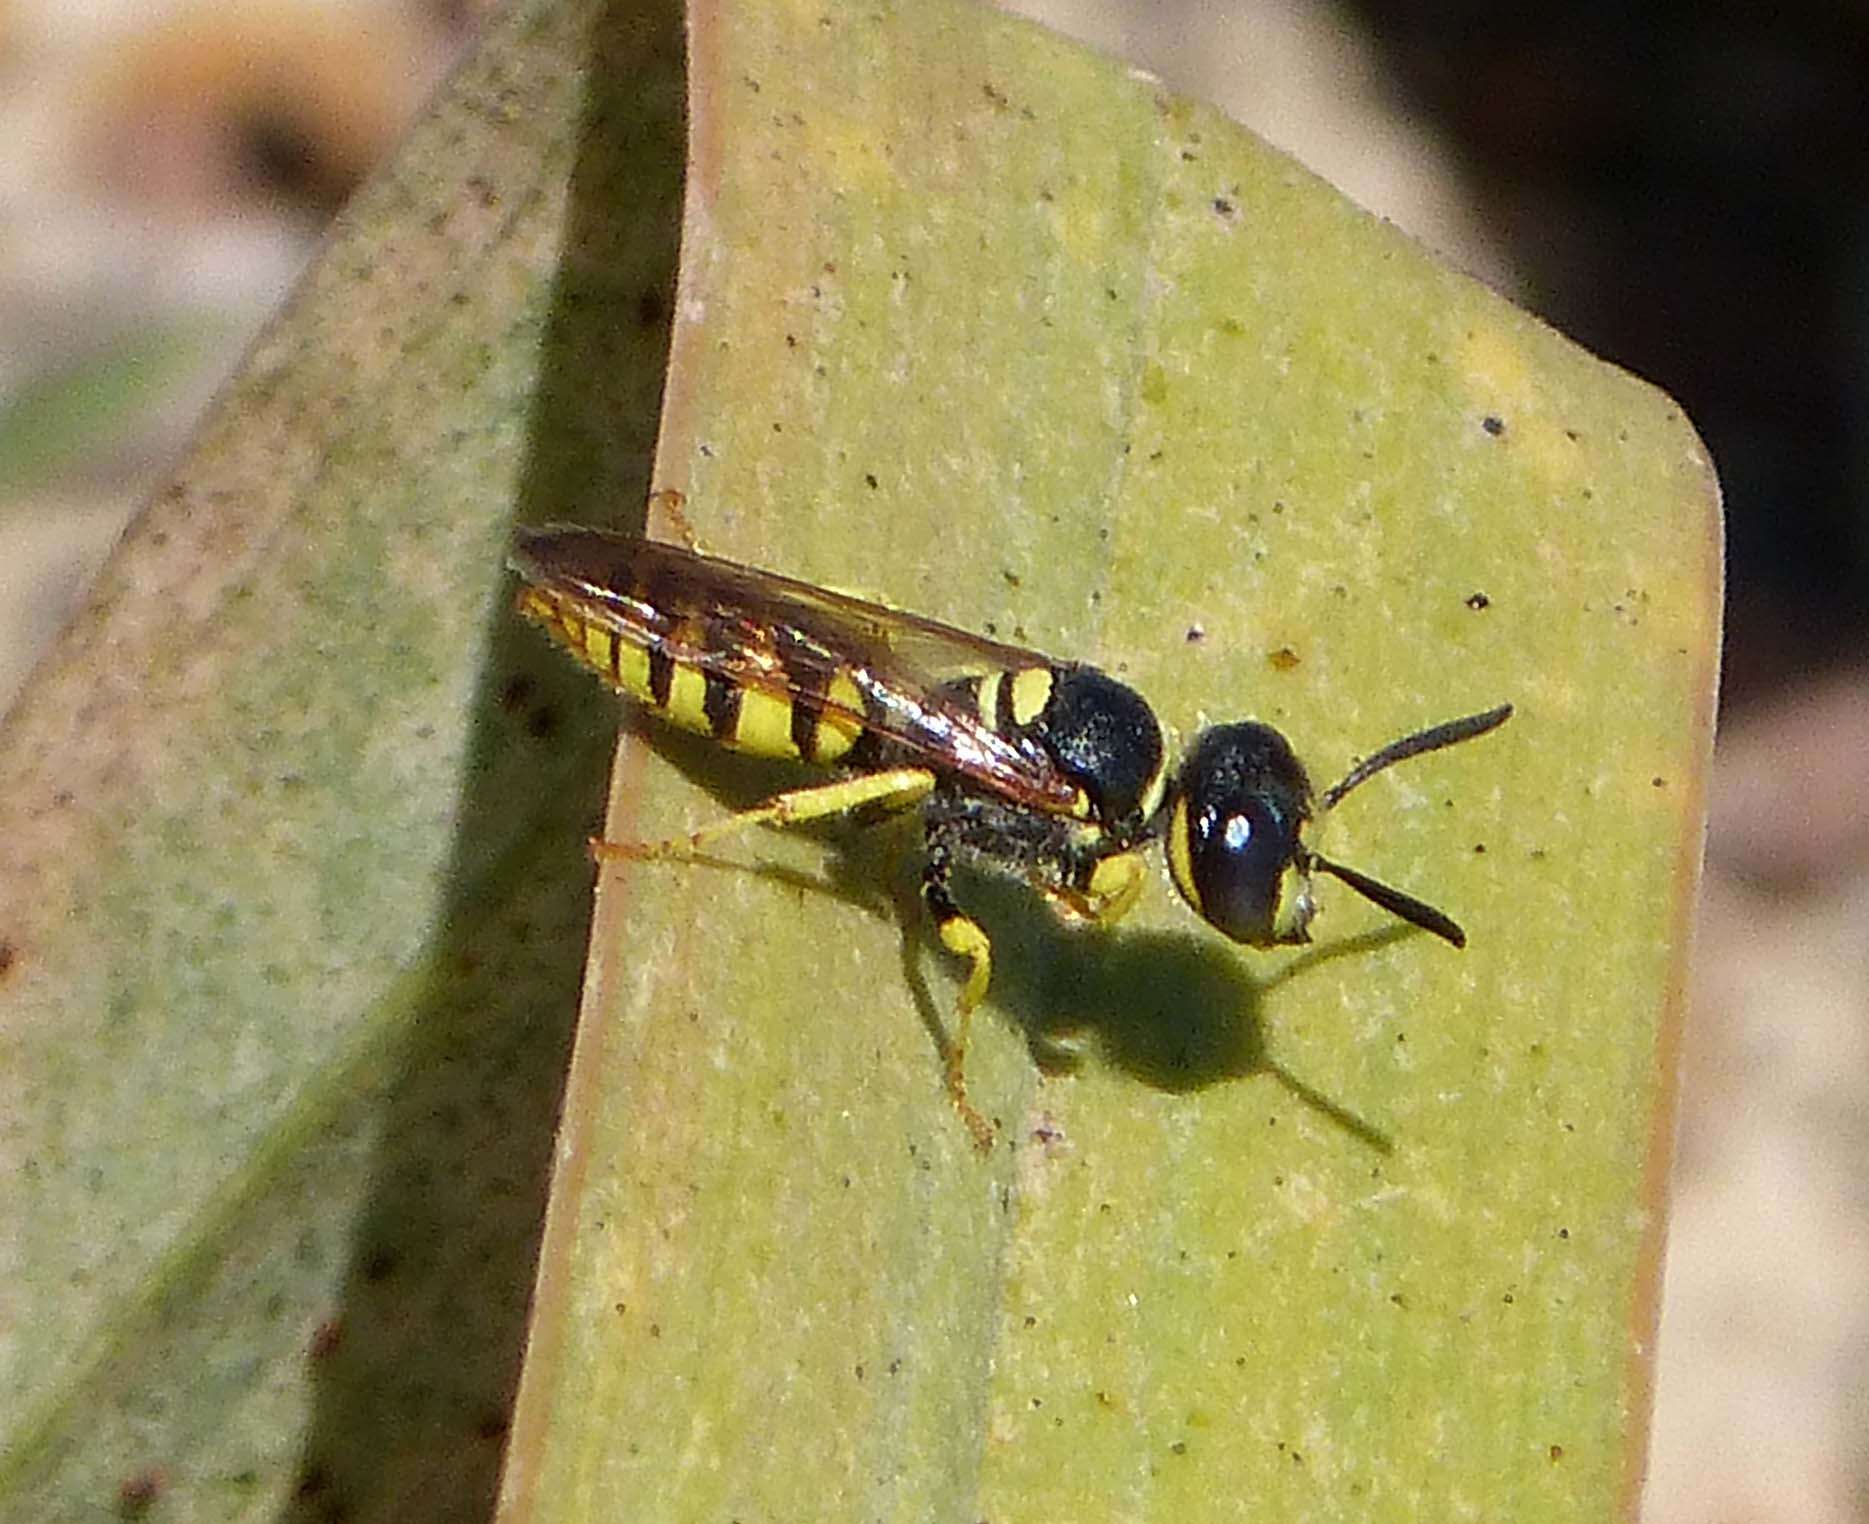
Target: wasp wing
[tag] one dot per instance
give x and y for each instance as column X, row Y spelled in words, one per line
column 779, row 635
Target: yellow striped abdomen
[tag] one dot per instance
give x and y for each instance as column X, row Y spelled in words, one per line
column 771, row 719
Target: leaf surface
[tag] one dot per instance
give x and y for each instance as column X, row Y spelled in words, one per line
column 292, row 903
column 1001, row 332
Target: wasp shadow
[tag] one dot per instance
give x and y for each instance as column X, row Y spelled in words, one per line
column 1176, row 1010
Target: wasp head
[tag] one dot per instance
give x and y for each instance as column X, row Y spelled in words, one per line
column 1235, row 830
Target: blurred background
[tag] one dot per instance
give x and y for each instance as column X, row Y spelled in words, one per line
column 1680, row 187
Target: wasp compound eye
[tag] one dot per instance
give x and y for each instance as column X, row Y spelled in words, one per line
column 1233, row 838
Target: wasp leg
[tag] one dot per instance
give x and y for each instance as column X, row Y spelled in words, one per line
column 894, row 788
column 962, row 935
column 671, row 502
column 1113, row 887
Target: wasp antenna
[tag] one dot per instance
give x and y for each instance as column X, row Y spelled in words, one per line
column 1410, row 909
column 1432, row 739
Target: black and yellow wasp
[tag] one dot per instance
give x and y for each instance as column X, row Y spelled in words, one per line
column 1048, row 770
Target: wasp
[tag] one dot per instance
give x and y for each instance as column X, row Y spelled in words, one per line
column 1050, row 771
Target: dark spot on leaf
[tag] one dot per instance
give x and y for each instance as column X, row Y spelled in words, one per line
column 136, row 1495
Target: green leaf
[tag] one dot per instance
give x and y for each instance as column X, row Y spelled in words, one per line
column 83, row 410
column 1006, row 334
column 293, row 896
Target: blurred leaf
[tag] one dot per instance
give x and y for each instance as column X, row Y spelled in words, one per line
column 1005, row 333
column 83, row 410
column 292, row 899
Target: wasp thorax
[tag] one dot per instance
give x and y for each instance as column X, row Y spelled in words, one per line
column 1107, row 738
column 1241, row 802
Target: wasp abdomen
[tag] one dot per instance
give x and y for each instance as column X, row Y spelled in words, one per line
column 761, row 709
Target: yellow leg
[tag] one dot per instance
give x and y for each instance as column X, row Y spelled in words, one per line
column 895, row 788
column 1114, row 889
column 962, row 935
column 670, row 503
